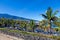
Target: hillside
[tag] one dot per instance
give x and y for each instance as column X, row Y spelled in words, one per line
column 8, row 16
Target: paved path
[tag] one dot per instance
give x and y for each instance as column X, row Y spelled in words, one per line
column 8, row 37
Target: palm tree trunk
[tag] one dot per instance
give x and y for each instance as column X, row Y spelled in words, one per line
column 25, row 28
column 50, row 26
column 33, row 30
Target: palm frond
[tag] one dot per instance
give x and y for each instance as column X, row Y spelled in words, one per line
column 55, row 13
column 44, row 16
column 49, row 13
column 57, row 23
column 54, row 18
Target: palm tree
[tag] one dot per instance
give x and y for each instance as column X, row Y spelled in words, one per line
column 23, row 24
column 11, row 22
column 50, row 16
column 2, row 21
column 32, row 24
column 42, row 24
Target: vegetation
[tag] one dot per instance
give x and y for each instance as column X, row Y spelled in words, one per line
column 49, row 19
column 28, row 33
column 28, row 27
column 32, row 25
column 50, row 16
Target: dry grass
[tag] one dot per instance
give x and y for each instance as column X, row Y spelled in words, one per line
column 32, row 33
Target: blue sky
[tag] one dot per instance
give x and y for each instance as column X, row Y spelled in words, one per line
column 28, row 8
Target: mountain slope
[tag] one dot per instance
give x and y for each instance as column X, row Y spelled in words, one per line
column 14, row 17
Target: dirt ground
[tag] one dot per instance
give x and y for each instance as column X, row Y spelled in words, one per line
column 8, row 37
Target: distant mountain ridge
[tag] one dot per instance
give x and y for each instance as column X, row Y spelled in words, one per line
column 14, row 17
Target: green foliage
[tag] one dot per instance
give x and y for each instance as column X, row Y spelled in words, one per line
column 30, row 33
column 2, row 28
column 57, row 23
column 32, row 25
column 54, row 13
column 49, row 12
column 50, row 16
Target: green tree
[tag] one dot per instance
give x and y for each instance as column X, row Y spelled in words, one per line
column 32, row 25
column 2, row 21
column 42, row 24
column 12, row 22
column 50, row 16
column 57, row 23
column 23, row 24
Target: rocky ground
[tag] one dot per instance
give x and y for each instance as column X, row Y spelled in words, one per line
column 8, row 37
column 14, row 35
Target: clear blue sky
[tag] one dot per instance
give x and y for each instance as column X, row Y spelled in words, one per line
column 28, row 8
